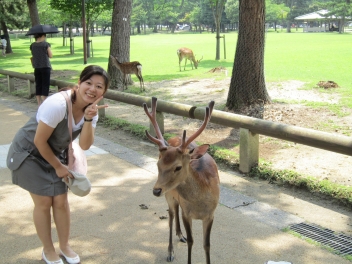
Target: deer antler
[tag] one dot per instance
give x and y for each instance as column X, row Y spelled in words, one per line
column 200, row 59
column 159, row 140
column 208, row 111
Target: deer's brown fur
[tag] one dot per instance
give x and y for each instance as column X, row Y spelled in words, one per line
column 188, row 177
column 187, row 54
column 128, row 68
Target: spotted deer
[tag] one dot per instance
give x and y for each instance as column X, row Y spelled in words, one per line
column 186, row 53
column 188, row 177
column 128, row 68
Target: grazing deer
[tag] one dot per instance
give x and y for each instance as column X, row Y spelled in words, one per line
column 188, row 176
column 128, row 68
column 186, row 53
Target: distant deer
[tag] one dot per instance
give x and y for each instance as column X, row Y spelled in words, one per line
column 188, row 176
column 128, row 68
column 186, row 53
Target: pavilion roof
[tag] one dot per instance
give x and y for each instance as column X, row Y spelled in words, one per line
column 318, row 15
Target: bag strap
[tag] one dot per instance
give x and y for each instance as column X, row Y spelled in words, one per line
column 69, row 121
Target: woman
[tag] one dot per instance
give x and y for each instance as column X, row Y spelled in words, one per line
column 41, row 52
column 37, row 157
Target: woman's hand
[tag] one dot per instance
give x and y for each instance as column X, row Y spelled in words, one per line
column 62, row 172
column 92, row 110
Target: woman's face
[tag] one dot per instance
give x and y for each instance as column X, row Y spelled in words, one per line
column 91, row 89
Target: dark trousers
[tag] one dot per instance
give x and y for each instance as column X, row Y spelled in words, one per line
column 42, row 81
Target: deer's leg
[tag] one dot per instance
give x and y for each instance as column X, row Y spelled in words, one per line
column 191, row 63
column 207, row 224
column 140, row 78
column 141, row 81
column 185, row 64
column 187, row 222
column 179, row 62
column 172, row 206
column 139, row 75
column 126, row 80
column 178, row 227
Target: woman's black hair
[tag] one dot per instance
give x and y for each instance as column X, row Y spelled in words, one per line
column 39, row 35
column 91, row 70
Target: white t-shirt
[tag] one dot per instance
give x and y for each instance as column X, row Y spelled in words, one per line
column 53, row 110
column 3, row 42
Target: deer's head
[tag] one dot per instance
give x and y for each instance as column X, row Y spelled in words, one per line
column 178, row 158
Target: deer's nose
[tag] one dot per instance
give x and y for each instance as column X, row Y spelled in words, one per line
column 157, row 192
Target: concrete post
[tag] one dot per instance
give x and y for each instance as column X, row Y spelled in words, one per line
column 249, row 150
column 10, row 83
column 160, row 121
column 102, row 110
column 31, row 89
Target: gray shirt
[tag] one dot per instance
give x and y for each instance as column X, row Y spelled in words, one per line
column 40, row 57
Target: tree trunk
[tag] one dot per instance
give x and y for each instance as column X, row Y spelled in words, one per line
column 217, row 12
column 120, row 40
column 72, row 50
column 247, row 85
column 33, row 12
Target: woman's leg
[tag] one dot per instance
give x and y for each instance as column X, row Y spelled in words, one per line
column 45, row 82
column 61, row 213
column 38, row 85
column 42, row 222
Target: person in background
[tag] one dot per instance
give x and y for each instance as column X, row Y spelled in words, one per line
column 38, row 153
column 4, row 44
column 41, row 52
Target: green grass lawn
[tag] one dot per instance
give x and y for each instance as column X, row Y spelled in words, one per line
column 308, row 57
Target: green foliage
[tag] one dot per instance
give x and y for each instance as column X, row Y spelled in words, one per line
column 232, row 10
column 116, row 123
column 14, row 13
column 224, row 156
column 327, row 188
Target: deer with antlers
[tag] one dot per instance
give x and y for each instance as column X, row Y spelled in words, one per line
column 186, row 53
column 128, row 68
column 188, row 177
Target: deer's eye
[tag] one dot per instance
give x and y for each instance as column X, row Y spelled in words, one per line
column 178, row 168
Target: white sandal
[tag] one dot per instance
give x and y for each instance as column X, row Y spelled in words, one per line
column 59, row 261
column 75, row 260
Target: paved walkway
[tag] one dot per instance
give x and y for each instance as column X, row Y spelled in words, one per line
column 109, row 226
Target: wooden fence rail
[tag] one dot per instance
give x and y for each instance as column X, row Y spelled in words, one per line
column 250, row 128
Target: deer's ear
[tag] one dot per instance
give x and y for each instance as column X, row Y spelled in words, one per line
column 113, row 59
column 199, row 151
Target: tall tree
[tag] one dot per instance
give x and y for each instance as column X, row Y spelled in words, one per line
column 340, row 9
column 218, row 8
column 231, row 10
column 93, row 9
column 13, row 14
column 33, row 12
column 247, row 85
column 120, row 40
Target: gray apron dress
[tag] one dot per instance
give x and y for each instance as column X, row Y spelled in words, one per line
column 29, row 169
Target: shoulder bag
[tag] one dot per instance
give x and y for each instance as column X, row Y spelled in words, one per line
column 77, row 161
